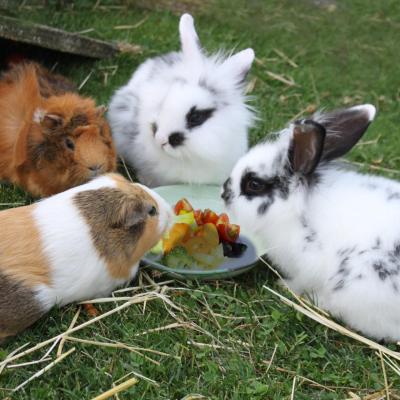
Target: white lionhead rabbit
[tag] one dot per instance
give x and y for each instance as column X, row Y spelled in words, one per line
column 183, row 116
column 76, row 245
column 334, row 234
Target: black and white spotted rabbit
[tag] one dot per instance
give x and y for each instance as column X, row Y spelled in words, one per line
column 333, row 233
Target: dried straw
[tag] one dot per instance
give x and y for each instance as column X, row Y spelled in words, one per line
column 134, row 300
column 293, row 387
column 285, row 58
column 384, row 376
column 43, row 370
column 71, row 325
column 277, row 77
column 119, row 388
column 325, row 320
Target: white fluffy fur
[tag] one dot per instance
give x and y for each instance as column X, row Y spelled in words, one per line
column 162, row 91
column 352, row 224
column 77, row 270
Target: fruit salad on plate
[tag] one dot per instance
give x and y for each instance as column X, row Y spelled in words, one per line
column 199, row 238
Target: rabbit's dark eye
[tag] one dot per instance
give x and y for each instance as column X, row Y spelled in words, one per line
column 69, row 144
column 251, row 185
column 255, row 186
column 196, row 117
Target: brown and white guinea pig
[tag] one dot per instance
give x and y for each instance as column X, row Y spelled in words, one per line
column 51, row 139
column 75, row 245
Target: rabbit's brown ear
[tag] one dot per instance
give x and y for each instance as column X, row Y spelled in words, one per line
column 307, row 146
column 344, row 128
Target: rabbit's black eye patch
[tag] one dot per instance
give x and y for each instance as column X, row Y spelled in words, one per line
column 252, row 186
column 196, row 117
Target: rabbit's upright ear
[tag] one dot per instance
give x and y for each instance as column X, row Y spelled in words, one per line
column 307, row 146
column 190, row 42
column 344, row 128
column 239, row 64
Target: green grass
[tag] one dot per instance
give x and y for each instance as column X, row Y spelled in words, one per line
column 345, row 56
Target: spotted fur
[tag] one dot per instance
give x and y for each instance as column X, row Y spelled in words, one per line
column 337, row 236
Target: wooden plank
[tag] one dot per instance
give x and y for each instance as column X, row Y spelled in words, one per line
column 55, row 39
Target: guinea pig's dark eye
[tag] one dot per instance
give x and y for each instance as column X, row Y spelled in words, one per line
column 153, row 211
column 196, row 117
column 69, row 144
column 255, row 185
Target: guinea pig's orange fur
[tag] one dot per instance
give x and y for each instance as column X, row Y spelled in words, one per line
column 21, row 254
column 50, row 142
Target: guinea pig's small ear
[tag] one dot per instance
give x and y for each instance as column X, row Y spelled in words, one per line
column 190, row 42
column 307, row 146
column 132, row 212
column 344, row 128
column 47, row 120
column 100, row 110
column 239, row 64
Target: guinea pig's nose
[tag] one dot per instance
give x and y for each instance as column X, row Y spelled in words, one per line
column 175, row 139
column 95, row 169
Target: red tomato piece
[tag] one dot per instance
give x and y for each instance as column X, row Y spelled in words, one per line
column 223, row 219
column 182, row 204
column 210, row 217
column 198, row 216
column 228, row 232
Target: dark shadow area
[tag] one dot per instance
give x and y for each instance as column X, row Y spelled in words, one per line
column 12, row 51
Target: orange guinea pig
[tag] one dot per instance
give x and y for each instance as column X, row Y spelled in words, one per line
column 51, row 139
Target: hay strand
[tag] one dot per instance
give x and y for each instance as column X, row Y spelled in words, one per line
column 45, row 369
column 119, row 388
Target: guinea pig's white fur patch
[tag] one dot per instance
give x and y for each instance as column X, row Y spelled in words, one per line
column 69, row 248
